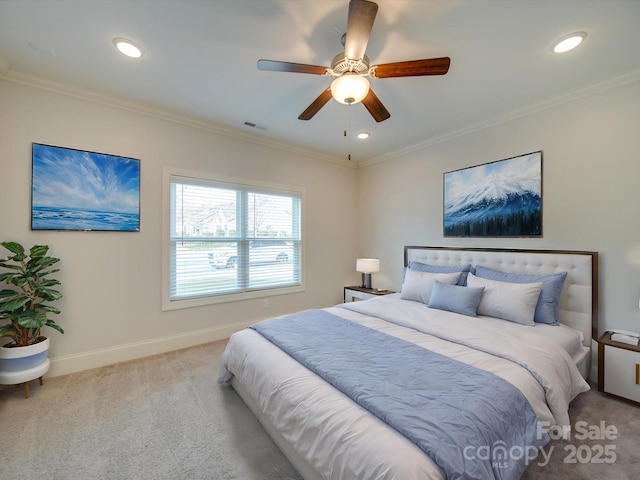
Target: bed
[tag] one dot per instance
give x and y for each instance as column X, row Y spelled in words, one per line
column 497, row 385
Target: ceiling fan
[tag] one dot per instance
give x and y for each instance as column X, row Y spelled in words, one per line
column 351, row 67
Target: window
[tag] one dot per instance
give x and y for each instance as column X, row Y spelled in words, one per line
column 230, row 240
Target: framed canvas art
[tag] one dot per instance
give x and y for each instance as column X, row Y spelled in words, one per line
column 497, row 199
column 81, row 190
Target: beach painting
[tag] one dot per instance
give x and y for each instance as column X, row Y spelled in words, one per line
column 497, row 199
column 81, row 190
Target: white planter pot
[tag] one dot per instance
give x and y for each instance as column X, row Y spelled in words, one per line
column 22, row 364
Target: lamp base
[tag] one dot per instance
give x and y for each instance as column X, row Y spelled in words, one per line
column 366, row 280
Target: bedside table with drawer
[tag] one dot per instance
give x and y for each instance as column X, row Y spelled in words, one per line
column 618, row 368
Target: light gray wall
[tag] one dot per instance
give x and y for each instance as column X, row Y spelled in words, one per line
column 591, row 194
column 112, row 281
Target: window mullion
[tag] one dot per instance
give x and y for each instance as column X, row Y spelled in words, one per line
column 242, row 222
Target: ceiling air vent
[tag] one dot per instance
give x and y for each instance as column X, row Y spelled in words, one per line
column 253, row 125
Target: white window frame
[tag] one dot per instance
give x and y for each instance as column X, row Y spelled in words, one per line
column 167, row 302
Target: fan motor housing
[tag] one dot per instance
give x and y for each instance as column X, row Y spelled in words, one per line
column 341, row 64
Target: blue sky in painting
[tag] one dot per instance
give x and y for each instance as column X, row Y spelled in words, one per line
column 493, row 181
column 85, row 180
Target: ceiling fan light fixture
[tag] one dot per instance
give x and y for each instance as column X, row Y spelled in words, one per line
column 350, row 88
column 128, row 48
column 568, row 42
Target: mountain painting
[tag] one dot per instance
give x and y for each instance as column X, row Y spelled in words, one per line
column 498, row 199
column 80, row 190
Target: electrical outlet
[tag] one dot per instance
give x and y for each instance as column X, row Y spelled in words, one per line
column 265, row 303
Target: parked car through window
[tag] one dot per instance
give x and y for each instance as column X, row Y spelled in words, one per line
column 260, row 252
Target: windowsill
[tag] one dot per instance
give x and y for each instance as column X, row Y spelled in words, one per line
column 168, row 304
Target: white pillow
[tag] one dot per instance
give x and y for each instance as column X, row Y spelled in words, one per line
column 515, row 302
column 417, row 285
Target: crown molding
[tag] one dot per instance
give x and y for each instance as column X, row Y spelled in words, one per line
column 169, row 116
column 211, row 127
column 577, row 94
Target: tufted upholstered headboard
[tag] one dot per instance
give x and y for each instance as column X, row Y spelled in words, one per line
column 579, row 298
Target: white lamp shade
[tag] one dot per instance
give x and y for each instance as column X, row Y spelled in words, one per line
column 350, row 88
column 367, row 265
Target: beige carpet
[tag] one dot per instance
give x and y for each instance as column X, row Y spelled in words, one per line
column 164, row 417
column 161, row 417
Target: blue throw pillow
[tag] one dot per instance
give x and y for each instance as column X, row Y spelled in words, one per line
column 425, row 267
column 454, row 298
column 549, row 301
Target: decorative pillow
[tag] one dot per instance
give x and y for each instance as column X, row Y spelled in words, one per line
column 425, row 267
column 549, row 301
column 454, row 298
column 417, row 285
column 515, row 302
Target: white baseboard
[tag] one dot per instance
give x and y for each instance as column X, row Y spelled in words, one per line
column 123, row 353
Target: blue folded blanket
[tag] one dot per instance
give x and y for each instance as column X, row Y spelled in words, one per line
column 472, row 423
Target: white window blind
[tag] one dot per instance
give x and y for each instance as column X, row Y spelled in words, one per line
column 228, row 238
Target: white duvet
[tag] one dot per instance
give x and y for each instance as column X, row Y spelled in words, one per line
column 341, row 440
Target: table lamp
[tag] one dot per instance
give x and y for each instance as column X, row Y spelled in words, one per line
column 367, row 266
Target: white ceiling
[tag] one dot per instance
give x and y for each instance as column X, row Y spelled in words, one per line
column 200, row 61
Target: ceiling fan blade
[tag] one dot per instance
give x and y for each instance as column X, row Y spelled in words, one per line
column 362, row 14
column 316, row 105
column 413, row 68
column 277, row 66
column 375, row 107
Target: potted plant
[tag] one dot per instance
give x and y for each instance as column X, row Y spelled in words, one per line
column 26, row 305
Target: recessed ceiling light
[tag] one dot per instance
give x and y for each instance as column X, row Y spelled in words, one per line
column 568, row 42
column 363, row 135
column 128, row 48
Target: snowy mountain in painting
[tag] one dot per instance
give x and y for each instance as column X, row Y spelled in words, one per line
column 498, row 204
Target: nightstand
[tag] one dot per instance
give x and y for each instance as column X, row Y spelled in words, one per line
column 353, row 294
column 618, row 368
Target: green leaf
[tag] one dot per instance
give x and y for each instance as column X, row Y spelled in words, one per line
column 18, row 280
column 13, row 247
column 49, row 308
column 32, row 319
column 7, row 293
column 10, row 266
column 48, row 294
column 9, row 274
column 37, row 264
column 38, row 251
column 52, row 324
column 17, row 258
column 12, row 305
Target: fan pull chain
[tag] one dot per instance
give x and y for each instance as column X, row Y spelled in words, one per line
column 347, row 131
